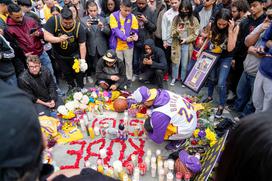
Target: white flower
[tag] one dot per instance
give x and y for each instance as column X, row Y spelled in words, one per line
column 62, row 110
column 85, row 100
column 83, row 106
column 76, row 104
column 70, row 106
column 77, row 96
column 94, row 95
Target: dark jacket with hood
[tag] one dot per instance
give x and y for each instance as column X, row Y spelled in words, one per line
column 146, row 30
column 6, row 55
column 21, row 32
column 158, row 57
column 104, row 72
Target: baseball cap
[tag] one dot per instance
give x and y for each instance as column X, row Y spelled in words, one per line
column 20, row 133
column 143, row 94
column 110, row 56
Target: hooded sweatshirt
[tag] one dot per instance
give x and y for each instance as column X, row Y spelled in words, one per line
column 21, row 32
column 158, row 57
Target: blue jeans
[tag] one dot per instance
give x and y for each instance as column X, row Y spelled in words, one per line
column 184, row 56
column 244, row 94
column 45, row 61
column 190, row 65
column 11, row 80
column 220, row 71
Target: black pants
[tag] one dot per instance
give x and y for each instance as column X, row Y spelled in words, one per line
column 153, row 75
column 66, row 64
column 43, row 110
column 92, row 61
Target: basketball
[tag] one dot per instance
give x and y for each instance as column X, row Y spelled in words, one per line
column 120, row 104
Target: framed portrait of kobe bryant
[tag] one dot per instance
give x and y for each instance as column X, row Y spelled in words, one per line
column 200, row 71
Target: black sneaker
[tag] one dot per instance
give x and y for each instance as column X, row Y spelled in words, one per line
column 207, row 100
column 175, row 145
column 219, row 113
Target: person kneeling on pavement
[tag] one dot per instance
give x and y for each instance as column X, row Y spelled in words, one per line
column 153, row 64
column 172, row 117
column 110, row 72
column 37, row 81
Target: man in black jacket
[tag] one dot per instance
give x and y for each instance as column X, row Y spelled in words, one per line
column 111, row 72
column 147, row 26
column 38, row 83
column 153, row 63
column 7, row 71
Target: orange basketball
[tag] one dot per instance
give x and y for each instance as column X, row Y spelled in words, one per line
column 120, row 104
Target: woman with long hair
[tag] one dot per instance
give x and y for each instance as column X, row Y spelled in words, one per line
column 109, row 6
column 223, row 36
column 184, row 31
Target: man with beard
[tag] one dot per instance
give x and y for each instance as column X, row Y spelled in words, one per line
column 68, row 38
column 239, row 10
column 147, row 26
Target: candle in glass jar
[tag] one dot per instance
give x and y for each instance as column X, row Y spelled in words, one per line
column 165, row 166
column 147, row 162
column 129, row 167
column 149, row 153
column 171, row 164
column 136, row 174
column 169, row 176
column 142, row 167
column 161, row 175
column 96, row 131
column 153, row 170
column 153, row 160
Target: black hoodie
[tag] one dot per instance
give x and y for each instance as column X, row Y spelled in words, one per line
column 158, row 57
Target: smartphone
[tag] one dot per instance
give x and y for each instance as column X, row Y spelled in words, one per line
column 32, row 30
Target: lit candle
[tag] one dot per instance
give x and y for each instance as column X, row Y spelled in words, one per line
column 91, row 131
column 170, row 176
column 153, row 170
column 165, row 166
column 136, row 174
column 100, row 169
column 136, row 131
column 149, row 153
column 142, row 167
column 96, row 131
column 110, row 172
column 161, row 175
column 147, row 162
column 158, row 152
column 117, row 167
column 171, row 164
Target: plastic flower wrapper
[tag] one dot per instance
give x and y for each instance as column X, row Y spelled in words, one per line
column 85, row 99
column 62, row 110
column 70, row 106
column 77, row 96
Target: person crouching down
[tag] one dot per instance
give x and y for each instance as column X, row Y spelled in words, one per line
column 110, row 72
column 172, row 118
column 153, row 64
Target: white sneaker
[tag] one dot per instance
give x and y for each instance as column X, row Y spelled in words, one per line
column 173, row 82
column 134, row 77
column 183, row 86
column 90, row 79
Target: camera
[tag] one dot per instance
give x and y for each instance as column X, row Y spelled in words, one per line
column 93, row 21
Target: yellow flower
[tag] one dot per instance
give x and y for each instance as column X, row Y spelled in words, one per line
column 76, row 65
column 212, row 143
column 211, row 136
column 70, row 115
column 196, row 133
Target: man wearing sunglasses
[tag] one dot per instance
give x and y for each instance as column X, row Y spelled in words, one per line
column 110, row 72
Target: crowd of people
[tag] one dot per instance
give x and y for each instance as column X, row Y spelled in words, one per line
column 118, row 42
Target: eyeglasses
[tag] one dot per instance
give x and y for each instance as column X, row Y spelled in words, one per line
column 34, row 67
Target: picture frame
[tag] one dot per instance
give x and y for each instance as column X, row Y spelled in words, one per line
column 200, row 71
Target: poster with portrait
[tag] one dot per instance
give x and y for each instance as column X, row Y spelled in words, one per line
column 197, row 76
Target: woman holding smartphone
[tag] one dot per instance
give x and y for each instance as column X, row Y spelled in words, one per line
column 185, row 29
